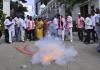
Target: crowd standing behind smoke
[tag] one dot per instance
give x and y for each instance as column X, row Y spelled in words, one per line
column 33, row 29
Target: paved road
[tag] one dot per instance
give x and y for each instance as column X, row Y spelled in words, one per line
column 88, row 58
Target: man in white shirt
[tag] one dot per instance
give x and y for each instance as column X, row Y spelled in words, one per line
column 97, row 20
column 55, row 22
column 61, row 24
column 26, row 30
column 94, row 35
column 22, row 28
column 17, row 28
column 69, row 26
column 88, row 28
column 10, row 26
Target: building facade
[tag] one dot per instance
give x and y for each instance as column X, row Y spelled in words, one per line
column 53, row 7
column 85, row 7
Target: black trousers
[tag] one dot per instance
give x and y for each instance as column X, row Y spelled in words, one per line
column 80, row 33
column 26, row 34
column 88, row 35
column 32, row 34
column 6, row 35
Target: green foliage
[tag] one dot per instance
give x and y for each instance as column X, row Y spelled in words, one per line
column 17, row 7
column 2, row 18
column 1, row 1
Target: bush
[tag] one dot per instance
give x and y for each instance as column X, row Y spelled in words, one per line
column 2, row 18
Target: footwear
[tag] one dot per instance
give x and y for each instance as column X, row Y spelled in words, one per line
column 22, row 41
column 9, row 42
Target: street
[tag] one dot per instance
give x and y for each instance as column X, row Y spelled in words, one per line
column 11, row 59
column 29, row 20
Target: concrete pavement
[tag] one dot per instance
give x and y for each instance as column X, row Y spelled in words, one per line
column 88, row 58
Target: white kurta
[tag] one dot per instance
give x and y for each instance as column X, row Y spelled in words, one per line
column 22, row 29
column 55, row 21
column 69, row 26
column 5, row 23
column 10, row 26
column 69, row 20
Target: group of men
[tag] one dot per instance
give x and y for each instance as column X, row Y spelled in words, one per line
column 18, row 29
column 61, row 27
column 90, row 25
column 22, row 28
column 14, row 27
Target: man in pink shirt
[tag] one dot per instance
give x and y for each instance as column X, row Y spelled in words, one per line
column 31, row 29
column 80, row 26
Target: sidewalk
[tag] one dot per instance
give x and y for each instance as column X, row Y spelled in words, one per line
column 88, row 58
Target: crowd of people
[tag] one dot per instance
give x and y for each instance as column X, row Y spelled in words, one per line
column 29, row 28
column 21, row 28
column 91, row 26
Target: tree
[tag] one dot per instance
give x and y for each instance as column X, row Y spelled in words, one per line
column 2, row 18
column 17, row 8
column 1, row 4
column 1, row 12
column 1, row 1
